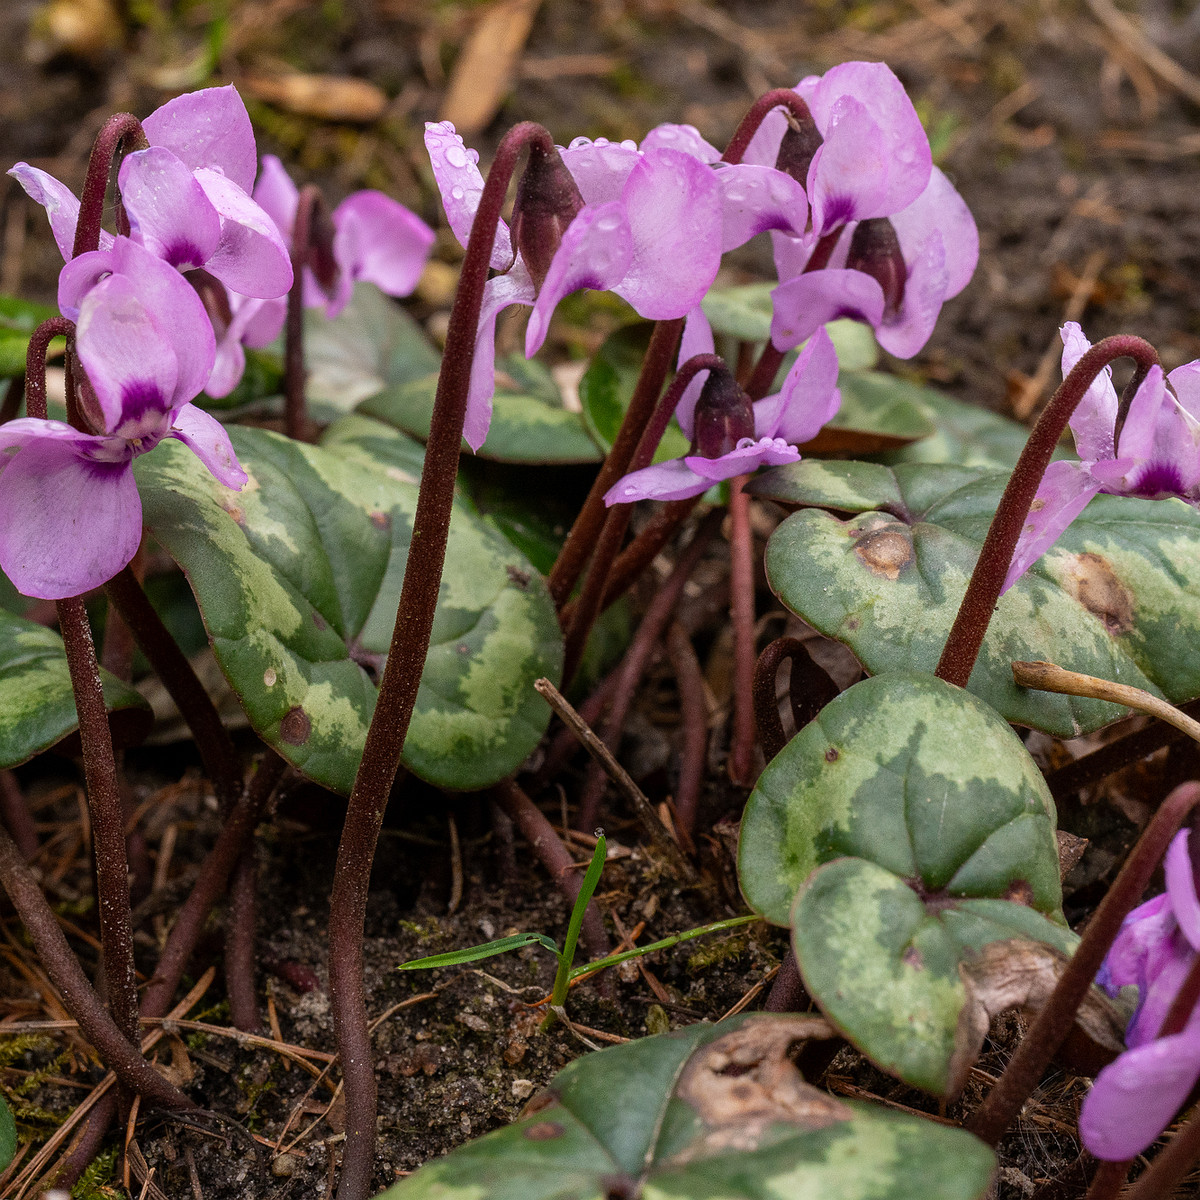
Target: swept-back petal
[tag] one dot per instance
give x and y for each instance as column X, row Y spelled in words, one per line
column 276, row 194
column 1181, row 887
column 600, row 168
column 1186, row 382
column 748, row 457
column 671, row 480
column 940, row 209
column 697, row 339
column 595, row 252
column 71, row 522
column 754, row 199
column 674, row 210
column 1095, row 415
column 207, row 438
column 456, row 173
column 681, row 137
column 251, row 256
column 848, row 178
column 60, row 203
column 208, row 128
column 255, row 323
column 809, row 397
column 168, row 211
column 381, row 241
column 803, row 304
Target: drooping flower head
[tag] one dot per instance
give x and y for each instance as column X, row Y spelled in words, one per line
column 1135, row 1097
column 730, row 436
column 1156, row 457
column 73, row 518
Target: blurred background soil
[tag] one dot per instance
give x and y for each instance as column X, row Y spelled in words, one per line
column 1070, row 127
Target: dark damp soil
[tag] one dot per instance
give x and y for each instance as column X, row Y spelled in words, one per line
column 1071, row 153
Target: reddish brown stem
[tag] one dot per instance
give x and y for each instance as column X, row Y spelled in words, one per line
column 979, row 602
column 402, row 676
column 809, row 690
column 296, row 422
column 35, row 362
column 1054, row 1021
column 742, row 613
column 787, row 992
column 116, row 654
column 240, row 942
column 689, row 681
column 744, row 134
column 645, row 548
column 633, row 665
column 585, row 532
column 121, row 130
column 555, row 857
column 116, row 1052
column 1108, row 1180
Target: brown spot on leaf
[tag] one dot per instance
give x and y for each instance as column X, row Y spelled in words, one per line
column 235, row 510
column 544, row 1131
column 1019, row 892
column 319, row 621
column 745, row 1082
column 295, row 726
column 517, row 576
column 885, row 551
column 852, row 624
column 1091, row 581
column 912, row 958
column 381, row 520
column 831, row 755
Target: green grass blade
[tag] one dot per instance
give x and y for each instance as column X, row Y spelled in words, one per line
column 476, row 953
column 586, row 891
column 666, row 943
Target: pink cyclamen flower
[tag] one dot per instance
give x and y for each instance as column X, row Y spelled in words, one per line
column 649, row 229
column 1135, row 1097
column 73, row 517
column 765, row 434
column 187, row 197
column 1158, row 455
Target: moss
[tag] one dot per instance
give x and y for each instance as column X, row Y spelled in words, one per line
column 716, row 951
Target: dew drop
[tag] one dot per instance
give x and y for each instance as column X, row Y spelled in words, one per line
column 456, row 156
column 457, row 193
column 608, row 224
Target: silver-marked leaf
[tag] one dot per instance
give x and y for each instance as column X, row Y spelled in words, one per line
column 712, row 1112
column 1118, row 596
column 890, row 967
column 376, row 446
column 529, row 422
column 37, row 706
column 912, row 774
column 297, row 578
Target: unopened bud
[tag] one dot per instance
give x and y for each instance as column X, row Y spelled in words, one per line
column 320, row 259
column 801, row 140
column 875, row 250
column 724, row 416
column 547, row 202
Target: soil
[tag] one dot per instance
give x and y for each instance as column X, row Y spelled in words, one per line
column 1065, row 144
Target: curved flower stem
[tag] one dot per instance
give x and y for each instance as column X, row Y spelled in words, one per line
column 633, row 665
column 35, row 362
column 645, row 548
column 585, row 532
column 979, row 602
column 1053, row 1023
column 402, row 676
column 296, row 422
column 741, row 615
column 116, row 1052
column 587, row 605
column 170, row 664
column 809, row 690
column 776, row 98
column 120, row 130
column 689, row 680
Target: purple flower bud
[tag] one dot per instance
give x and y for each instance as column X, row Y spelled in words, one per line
column 723, row 416
column 875, row 250
column 801, row 141
column 548, row 200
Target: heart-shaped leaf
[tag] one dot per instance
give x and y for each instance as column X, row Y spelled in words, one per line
column 37, row 706
column 1118, row 596
column 376, row 446
column 873, row 417
column 713, row 1112
column 915, row 775
column 297, row 578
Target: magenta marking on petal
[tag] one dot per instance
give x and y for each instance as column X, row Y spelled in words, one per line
column 183, row 254
column 140, row 396
column 838, row 210
column 1157, row 480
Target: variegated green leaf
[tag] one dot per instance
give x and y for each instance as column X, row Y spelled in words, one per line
column 713, row 1112
column 1118, row 596
column 297, row 578
column 37, row 706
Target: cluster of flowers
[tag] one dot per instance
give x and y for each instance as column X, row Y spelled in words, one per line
column 863, row 225
column 163, row 314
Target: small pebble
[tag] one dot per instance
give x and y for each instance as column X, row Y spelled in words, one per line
column 283, row 1165
column 657, row 1020
column 522, row 1089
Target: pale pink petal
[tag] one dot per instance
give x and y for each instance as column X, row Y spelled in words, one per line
column 848, row 178
column 792, row 253
column 1181, row 887
column 595, row 252
column 168, row 211
column 251, row 256
column 209, row 128
column 763, row 149
column 228, row 367
column 1095, row 415
column 1135, row 1098
column 456, row 172
column 672, row 480
column 748, row 457
column 755, row 199
column 71, row 521
column 207, row 438
column 381, row 241
column 600, row 168
column 1186, row 382
column 1137, row 436
column 255, row 323
column 1145, row 928
column 1172, row 961
column 681, row 137
column 674, row 210
column 940, row 209
column 1062, row 495
column 60, row 203
column 908, row 331
column 803, row 304
column 277, row 195
column 809, row 398
column 697, row 339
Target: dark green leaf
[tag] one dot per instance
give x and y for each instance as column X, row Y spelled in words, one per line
column 8, row 1135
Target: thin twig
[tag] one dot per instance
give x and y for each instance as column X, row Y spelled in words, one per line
column 1130, row 36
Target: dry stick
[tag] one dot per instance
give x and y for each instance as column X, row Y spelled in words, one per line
column 1053, row 1023
column 402, row 675
column 115, row 1050
column 689, row 680
column 555, row 857
column 585, row 532
column 565, row 742
column 983, row 591
column 221, row 760
column 741, row 615
column 633, row 665
column 647, row 817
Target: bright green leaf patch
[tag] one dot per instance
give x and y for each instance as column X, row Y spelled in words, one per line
column 663, row 1118
column 1118, row 596
column 37, row 706
column 297, row 578
column 18, row 319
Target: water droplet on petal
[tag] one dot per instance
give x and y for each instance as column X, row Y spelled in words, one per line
column 457, row 193
column 456, row 156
